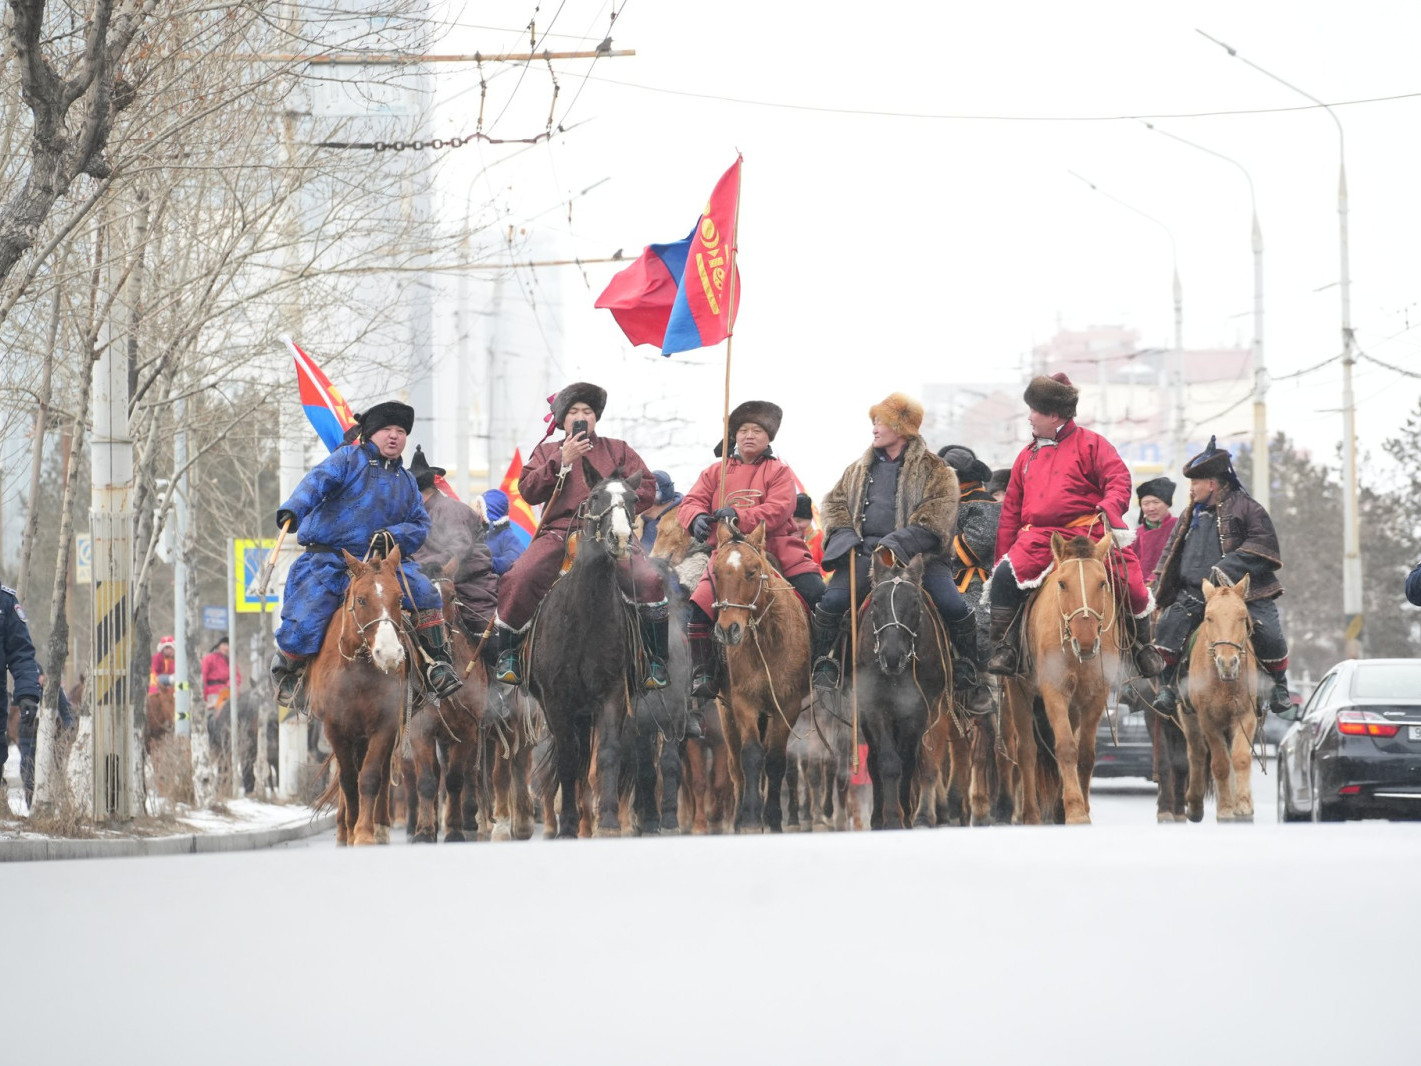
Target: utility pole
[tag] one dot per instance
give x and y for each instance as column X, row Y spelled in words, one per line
column 182, row 689
column 111, row 529
column 1351, row 532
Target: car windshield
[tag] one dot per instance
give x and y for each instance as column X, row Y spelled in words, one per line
column 1387, row 681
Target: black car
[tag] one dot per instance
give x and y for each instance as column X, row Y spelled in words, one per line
column 1354, row 751
column 1122, row 743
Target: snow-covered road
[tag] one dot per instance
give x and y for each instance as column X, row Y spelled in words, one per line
column 1120, row 942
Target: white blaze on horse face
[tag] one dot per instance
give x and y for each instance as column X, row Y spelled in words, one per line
column 386, row 651
column 733, row 560
column 621, row 528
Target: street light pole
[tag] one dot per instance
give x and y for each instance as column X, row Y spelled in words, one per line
column 1261, row 476
column 1351, row 530
column 1176, row 442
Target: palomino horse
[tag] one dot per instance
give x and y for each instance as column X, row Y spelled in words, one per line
column 583, row 656
column 903, row 677
column 356, row 686
column 1223, row 691
column 768, row 673
column 1071, row 643
column 450, row 727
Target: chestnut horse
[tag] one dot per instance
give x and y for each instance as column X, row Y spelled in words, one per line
column 762, row 624
column 1071, row 644
column 1223, row 692
column 356, row 688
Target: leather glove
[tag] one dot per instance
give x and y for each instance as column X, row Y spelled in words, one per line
column 285, row 518
column 701, row 526
column 29, row 710
column 383, row 543
column 727, row 514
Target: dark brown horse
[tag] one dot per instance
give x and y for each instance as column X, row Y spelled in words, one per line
column 762, row 624
column 583, row 657
column 357, row 686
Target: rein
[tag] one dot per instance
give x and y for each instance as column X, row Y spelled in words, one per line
column 753, row 623
column 1088, row 611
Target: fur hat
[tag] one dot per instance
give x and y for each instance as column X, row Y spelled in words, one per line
column 764, row 414
column 1161, row 488
column 424, row 474
column 1052, row 396
column 803, row 506
column 495, row 504
column 594, row 396
column 1213, row 462
column 964, row 460
column 999, row 480
column 389, row 413
column 900, row 413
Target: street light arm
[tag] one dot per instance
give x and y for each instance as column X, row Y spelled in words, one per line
column 1252, row 197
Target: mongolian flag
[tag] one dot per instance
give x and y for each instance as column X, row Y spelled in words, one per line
column 684, row 296
column 520, row 515
column 327, row 410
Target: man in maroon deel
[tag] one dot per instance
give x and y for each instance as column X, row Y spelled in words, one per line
column 1068, row 480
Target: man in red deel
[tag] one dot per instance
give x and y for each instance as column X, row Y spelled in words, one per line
column 1068, row 480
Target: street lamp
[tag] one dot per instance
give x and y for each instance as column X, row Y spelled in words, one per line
column 1261, row 477
column 1351, row 535
column 1176, row 443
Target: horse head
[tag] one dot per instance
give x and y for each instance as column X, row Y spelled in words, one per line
column 372, row 610
column 1083, row 594
column 895, row 610
column 609, row 510
column 741, row 576
column 1227, row 627
column 673, row 541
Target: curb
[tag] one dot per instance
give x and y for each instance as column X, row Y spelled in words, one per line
column 188, row 844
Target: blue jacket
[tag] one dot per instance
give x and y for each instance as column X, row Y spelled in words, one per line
column 354, row 493
column 507, row 543
column 17, row 654
column 1413, row 585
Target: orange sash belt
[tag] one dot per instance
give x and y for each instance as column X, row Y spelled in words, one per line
column 1075, row 523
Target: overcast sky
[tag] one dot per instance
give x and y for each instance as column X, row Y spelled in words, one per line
column 881, row 251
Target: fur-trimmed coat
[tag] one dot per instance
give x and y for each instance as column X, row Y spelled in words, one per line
column 927, row 497
column 1249, row 543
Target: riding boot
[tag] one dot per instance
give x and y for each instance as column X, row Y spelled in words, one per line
column 1148, row 661
column 825, row 629
column 1001, row 634
column 507, row 643
column 439, row 672
column 1280, row 699
column 288, row 672
column 698, row 634
column 1167, row 700
column 656, row 640
column 968, row 690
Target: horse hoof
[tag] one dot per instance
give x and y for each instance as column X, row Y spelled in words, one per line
column 455, row 836
column 424, row 836
column 1164, row 818
column 607, row 831
column 363, row 840
column 523, row 831
column 382, row 834
column 1080, row 819
column 1181, row 818
column 502, row 830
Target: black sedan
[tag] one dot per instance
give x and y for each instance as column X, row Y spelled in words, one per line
column 1354, row 751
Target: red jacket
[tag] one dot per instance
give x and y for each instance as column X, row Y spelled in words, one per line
column 774, row 487
column 540, row 477
column 1053, row 486
column 1149, row 544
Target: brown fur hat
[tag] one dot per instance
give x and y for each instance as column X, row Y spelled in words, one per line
column 764, row 414
column 594, row 396
column 1052, row 396
column 900, row 413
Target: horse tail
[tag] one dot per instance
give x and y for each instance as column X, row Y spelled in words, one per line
column 327, row 799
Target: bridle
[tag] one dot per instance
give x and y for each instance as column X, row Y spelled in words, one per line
column 1242, row 649
column 592, row 520
column 753, row 607
column 894, row 621
column 1102, row 626
column 360, row 627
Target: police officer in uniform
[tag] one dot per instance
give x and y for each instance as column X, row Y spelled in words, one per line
column 17, row 656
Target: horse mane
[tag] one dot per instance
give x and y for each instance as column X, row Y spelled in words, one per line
column 1078, row 548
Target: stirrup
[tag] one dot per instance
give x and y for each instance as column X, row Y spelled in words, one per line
column 655, row 675
column 1280, row 699
column 442, row 679
column 827, row 674
column 1003, row 662
column 506, row 671
column 703, row 686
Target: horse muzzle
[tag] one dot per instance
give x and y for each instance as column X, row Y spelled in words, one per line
column 386, row 651
column 1085, row 655
column 893, row 665
column 1228, row 667
column 730, row 635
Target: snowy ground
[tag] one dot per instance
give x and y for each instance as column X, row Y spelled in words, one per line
column 1123, row 942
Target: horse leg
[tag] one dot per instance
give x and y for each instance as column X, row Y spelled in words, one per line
column 520, row 799
column 791, row 791
column 733, row 767
column 669, row 762
column 346, row 760
column 752, row 774
column 1058, row 713
column 1221, row 764
column 645, row 765
column 502, row 821
column 1159, row 755
column 1244, row 730
column 776, row 740
column 1198, row 754
column 1085, row 752
column 981, row 756
column 910, row 739
column 422, row 787
column 695, row 784
column 565, row 748
column 929, row 779
column 1027, row 810
column 609, row 765
column 374, row 775
column 457, row 777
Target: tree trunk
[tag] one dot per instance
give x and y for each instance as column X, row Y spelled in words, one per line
column 204, row 769
column 27, row 538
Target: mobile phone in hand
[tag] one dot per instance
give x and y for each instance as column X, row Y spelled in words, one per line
column 579, row 426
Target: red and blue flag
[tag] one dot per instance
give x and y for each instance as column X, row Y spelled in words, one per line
column 325, row 407
column 684, row 295
column 520, row 515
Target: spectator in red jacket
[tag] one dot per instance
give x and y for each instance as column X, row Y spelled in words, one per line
column 1156, row 522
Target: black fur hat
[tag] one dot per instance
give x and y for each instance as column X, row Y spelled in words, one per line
column 964, row 460
column 1161, row 488
column 424, row 474
column 764, row 414
column 999, row 480
column 1052, row 396
column 803, row 506
column 1213, row 462
column 389, row 413
column 594, row 396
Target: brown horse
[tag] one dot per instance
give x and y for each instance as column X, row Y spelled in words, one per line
column 763, row 627
column 451, row 727
column 356, row 686
column 1072, row 638
column 160, row 716
column 1223, row 692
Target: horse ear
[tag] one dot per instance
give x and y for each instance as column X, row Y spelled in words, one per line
column 915, row 569
column 722, row 534
column 1208, row 587
column 450, row 568
column 1103, row 546
column 634, row 483
column 590, row 473
column 757, row 538
column 394, row 557
column 352, row 564
column 876, row 567
column 1242, row 586
column 1057, row 543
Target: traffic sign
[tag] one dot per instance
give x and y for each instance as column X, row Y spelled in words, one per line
column 215, row 618
column 249, row 556
column 83, row 558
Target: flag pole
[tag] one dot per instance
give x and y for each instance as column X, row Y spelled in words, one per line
column 730, row 330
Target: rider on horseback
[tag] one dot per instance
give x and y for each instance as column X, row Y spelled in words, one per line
column 1228, row 529
column 758, row 488
column 900, row 496
column 455, row 532
column 554, row 478
column 1062, row 482
column 359, row 495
